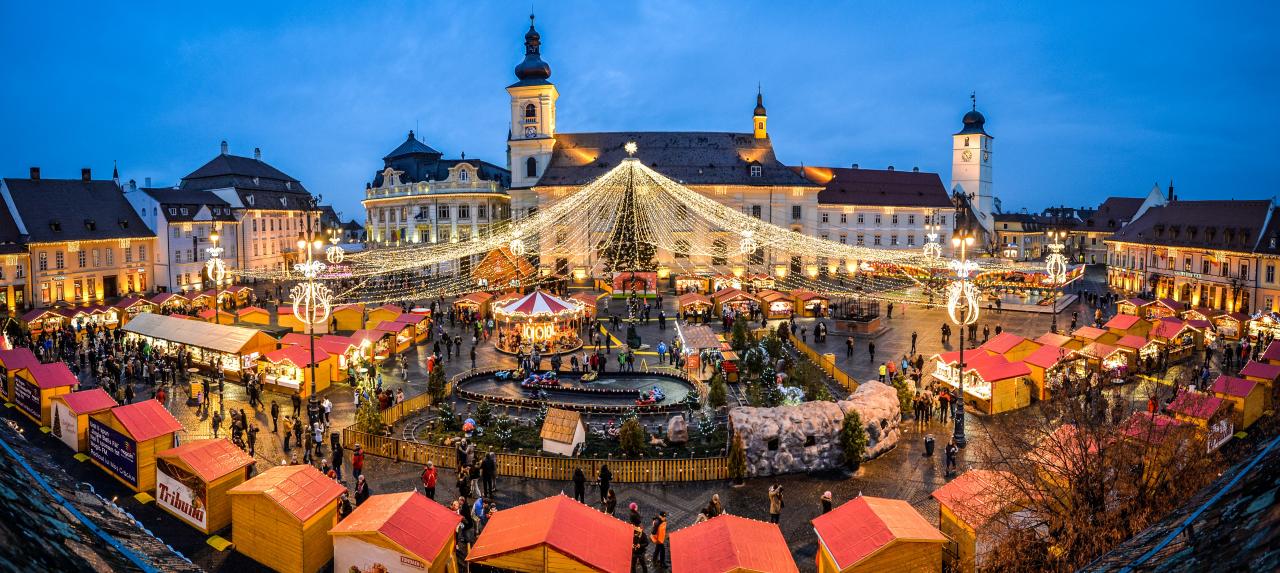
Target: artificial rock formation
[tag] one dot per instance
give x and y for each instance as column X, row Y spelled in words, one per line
column 806, row 436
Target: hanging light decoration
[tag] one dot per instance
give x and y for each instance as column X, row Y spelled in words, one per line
column 962, row 296
column 214, row 267
column 311, row 300
column 932, row 248
column 1055, row 265
column 334, row 254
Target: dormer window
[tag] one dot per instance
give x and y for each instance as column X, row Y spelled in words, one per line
column 173, row 210
column 757, row 171
column 124, row 223
column 55, row 225
column 184, row 210
column 464, row 175
column 288, row 185
column 256, row 181
column 90, row 224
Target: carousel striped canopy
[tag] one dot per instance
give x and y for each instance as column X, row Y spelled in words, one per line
column 538, row 302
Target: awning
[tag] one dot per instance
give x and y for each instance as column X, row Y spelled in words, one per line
column 219, row 337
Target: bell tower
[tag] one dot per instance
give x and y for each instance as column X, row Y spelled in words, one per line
column 533, row 114
column 971, row 171
column 760, row 119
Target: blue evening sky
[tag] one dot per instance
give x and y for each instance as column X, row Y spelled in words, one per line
column 1086, row 100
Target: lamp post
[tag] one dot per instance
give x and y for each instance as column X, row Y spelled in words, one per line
column 1055, row 266
column 311, row 301
column 217, row 271
column 962, row 302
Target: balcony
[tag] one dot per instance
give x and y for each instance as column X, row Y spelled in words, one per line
column 434, row 188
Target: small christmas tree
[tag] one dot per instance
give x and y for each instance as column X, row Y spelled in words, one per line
column 718, row 395
column 503, row 429
column 57, row 422
column 632, row 437
column 369, row 419
column 436, row 384
column 737, row 460
column 484, row 413
column 741, row 337
column 853, row 439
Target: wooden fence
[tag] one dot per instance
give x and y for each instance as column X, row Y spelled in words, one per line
column 827, row 365
column 546, row 467
column 410, row 405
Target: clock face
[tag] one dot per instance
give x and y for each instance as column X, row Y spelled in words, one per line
column 530, row 131
column 986, row 156
column 966, row 155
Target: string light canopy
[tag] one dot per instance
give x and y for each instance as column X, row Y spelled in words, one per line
column 691, row 233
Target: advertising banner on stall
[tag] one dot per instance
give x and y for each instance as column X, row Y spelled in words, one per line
column 113, row 450
column 182, row 493
column 27, row 396
column 1219, row 433
column 63, row 425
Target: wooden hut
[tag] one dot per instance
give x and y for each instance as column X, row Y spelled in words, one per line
column 562, row 432
column 872, row 534
column 348, row 317
column 192, row 481
column 589, row 303
column 171, row 301
column 218, row 317
column 1199, row 313
column 1091, row 334
column 71, row 413
column 691, row 283
column 131, row 306
column 692, row 302
column 1267, row 374
column 281, row 518
column 730, row 544
column 1051, row 366
column 1112, row 360
column 1060, row 340
column 1196, row 408
column 43, row 320
column 1126, row 324
column 210, row 346
column 401, row 334
column 384, row 313
column 810, row 304
column 777, row 305
column 965, row 505
column 398, row 531
column 12, row 360
column 1229, row 325
column 124, row 441
column 36, row 385
column 554, row 534
column 289, row 369
column 254, row 315
column 1272, row 354
column 732, row 299
column 1165, row 307
column 1132, row 306
column 476, row 302
column 1246, row 397
column 1179, row 338
column 419, row 323
column 1009, row 345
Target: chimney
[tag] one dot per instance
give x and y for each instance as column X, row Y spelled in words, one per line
column 854, row 166
column 35, row 173
column 257, row 153
column 890, row 168
column 148, row 182
column 85, row 174
column 224, row 147
column 915, row 169
column 1172, row 197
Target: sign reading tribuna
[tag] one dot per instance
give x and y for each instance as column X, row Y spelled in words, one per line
column 182, row 493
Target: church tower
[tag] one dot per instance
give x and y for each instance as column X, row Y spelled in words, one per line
column 760, row 119
column 971, row 164
column 533, row 115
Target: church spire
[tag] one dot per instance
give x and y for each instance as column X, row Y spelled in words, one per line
column 533, row 69
column 760, row 118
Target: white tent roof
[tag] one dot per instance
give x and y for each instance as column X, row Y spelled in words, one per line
column 219, row 337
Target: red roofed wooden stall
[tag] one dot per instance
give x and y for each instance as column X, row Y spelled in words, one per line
column 1050, row 367
column 281, row 518
column 124, row 441
column 966, row 504
column 71, row 413
column 36, row 384
column 551, row 535
column 289, row 369
column 871, row 534
column 1265, row 372
column 11, row 361
column 254, row 315
column 1127, row 324
column 1009, row 345
column 400, row 531
column 1246, row 397
column 192, row 481
column 730, row 544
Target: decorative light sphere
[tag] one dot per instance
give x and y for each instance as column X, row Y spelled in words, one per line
column 517, row 247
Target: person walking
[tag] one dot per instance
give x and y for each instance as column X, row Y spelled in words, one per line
column 913, row 342
column 775, row 503
column 848, row 347
column 951, row 452
column 344, row 505
column 362, row 490
column 357, row 462
column 275, row 417
column 658, row 535
column 606, row 477
column 871, row 351
column 489, row 473
column 337, row 459
column 610, row 503
column 579, row 485
column 638, row 543
column 429, row 477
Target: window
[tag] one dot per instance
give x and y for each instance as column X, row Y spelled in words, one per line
column 1186, row 264
column 861, row 240
column 81, row 258
column 177, row 255
column 893, row 219
column 530, row 112
column 861, row 219
column 826, row 218
column 844, row 218
column 142, row 253
column 464, row 176
column 844, row 238
column 911, row 240
column 1271, row 275
column 1204, row 266
column 876, row 240
column 893, row 240
column 911, row 219
column 128, row 255
column 531, row 167
column 111, row 257
column 20, row 272
column 825, row 237
column 877, row 219
column 1244, row 271
column 178, row 232
column 444, row 235
column 795, row 212
column 97, row 258
column 756, row 171
column 464, row 211
column 173, row 211
column 442, row 212
column 755, row 211
column 58, row 262
column 942, row 219
column 481, row 212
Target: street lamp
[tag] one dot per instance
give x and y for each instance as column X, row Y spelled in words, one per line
column 962, row 303
column 1055, row 266
column 217, row 271
column 311, row 301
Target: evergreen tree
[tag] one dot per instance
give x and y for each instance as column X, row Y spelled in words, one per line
column 741, row 335
column 737, row 460
column 718, row 396
column 631, row 437
column 853, row 439
column 626, row 250
column 369, row 419
column 436, row 384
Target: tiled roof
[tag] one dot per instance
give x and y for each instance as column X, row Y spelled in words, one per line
column 599, row 541
column 1232, row 386
column 416, row 161
column 1112, row 214
column 877, row 187
column 560, row 425
column 52, row 375
column 300, row 490
column 1195, row 404
column 976, row 495
column 691, row 158
column 186, row 204
column 1122, row 321
column 243, row 170
column 864, row 525
column 101, row 211
column 419, row 525
column 146, row 420
column 1218, row 224
column 1261, row 370
column 210, row 459
column 1003, row 342
column 728, row 543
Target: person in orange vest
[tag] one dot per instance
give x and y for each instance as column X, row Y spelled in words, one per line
column 659, row 538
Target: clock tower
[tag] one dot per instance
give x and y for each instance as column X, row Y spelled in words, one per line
column 971, row 164
column 533, row 115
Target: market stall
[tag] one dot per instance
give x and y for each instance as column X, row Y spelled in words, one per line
column 171, row 302
column 1209, row 414
column 1113, row 362
column 777, row 305
column 131, row 306
column 289, row 370
column 1053, row 368
column 1180, row 339
column 1059, row 340
column 400, row 333
column 1127, row 324
column 254, row 315
column 1009, row 345
column 691, row 284
column 348, row 317
column 692, row 303
column 398, row 531
column 1145, row 351
column 890, row 536
column 1132, row 306
column 475, row 304
column 1200, row 313
column 992, row 384
column 35, row 386
column 384, row 313
column 966, row 504
column 12, row 360
column 1164, row 308
column 124, row 441
column 71, row 415
column 1246, row 397
column 734, row 301
column 1264, row 324
column 375, row 345
column 1229, row 325
column 342, row 351
column 811, row 304
column 281, row 518
column 192, row 481
column 531, row 538
column 730, row 544
column 201, row 300
column 1267, row 374
column 538, row 320
column 217, row 316
column 419, row 325
column 43, row 320
column 1090, row 334
column 588, row 301
column 210, row 346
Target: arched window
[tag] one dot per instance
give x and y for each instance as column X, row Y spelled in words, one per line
column 464, row 176
column 531, row 167
column 530, row 112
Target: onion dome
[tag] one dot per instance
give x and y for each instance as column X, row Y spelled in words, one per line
column 759, row 103
column 532, row 68
column 973, row 121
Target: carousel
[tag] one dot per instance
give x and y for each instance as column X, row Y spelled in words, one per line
column 538, row 320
